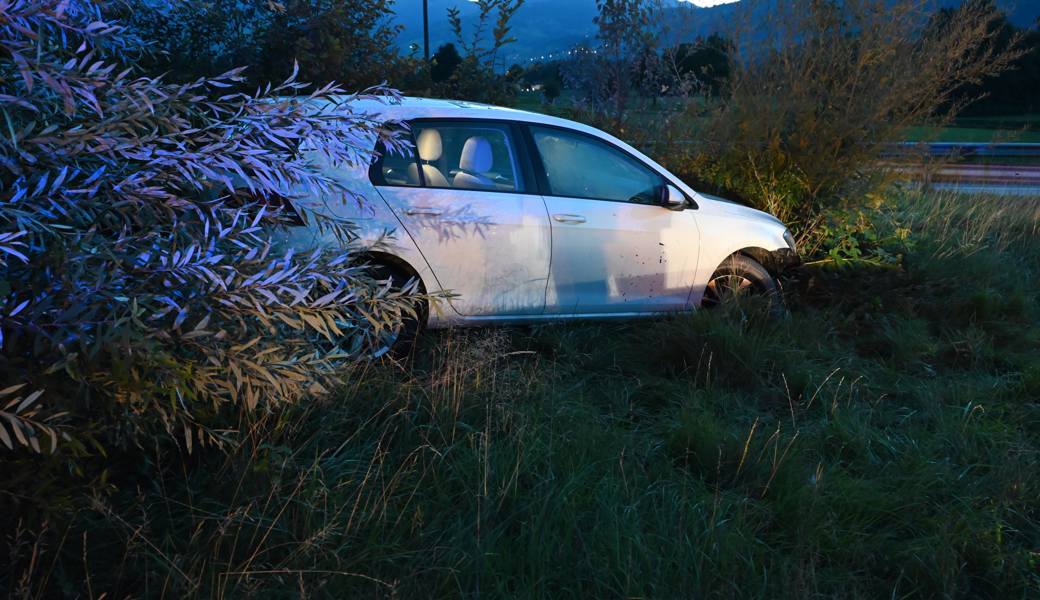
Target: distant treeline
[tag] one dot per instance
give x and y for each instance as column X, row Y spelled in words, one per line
column 1016, row 91
column 1013, row 92
column 354, row 42
column 350, row 42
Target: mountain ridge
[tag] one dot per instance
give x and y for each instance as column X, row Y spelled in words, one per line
column 543, row 27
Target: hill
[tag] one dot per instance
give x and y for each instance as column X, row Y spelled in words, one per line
column 547, row 26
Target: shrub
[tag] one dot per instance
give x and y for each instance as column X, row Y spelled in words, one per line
column 144, row 287
column 445, row 63
column 352, row 42
column 815, row 94
column 472, row 75
column 609, row 79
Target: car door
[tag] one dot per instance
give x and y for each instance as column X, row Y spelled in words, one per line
column 463, row 198
column 615, row 247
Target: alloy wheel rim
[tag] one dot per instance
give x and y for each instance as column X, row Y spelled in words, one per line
column 728, row 288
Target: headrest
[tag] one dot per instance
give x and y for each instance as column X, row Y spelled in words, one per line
column 429, row 144
column 476, row 155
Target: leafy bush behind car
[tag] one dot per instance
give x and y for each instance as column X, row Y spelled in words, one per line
column 143, row 288
column 812, row 104
column 352, row 42
column 812, row 93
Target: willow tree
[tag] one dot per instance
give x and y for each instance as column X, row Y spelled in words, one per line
column 143, row 284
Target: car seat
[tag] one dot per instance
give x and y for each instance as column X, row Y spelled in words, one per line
column 431, row 148
column 477, row 159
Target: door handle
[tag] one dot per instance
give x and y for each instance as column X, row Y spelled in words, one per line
column 424, row 211
column 571, row 219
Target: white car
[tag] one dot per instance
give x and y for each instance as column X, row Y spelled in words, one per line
column 523, row 217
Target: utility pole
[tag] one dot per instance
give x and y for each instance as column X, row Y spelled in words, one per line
column 426, row 28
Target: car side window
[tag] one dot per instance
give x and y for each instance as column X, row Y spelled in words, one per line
column 395, row 168
column 580, row 166
column 470, row 156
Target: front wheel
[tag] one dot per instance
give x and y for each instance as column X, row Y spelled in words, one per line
column 741, row 278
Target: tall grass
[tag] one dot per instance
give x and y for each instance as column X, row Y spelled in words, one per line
column 882, row 441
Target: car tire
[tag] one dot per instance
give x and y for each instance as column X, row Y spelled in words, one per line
column 740, row 276
column 402, row 342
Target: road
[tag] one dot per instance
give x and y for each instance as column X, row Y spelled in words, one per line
column 975, row 177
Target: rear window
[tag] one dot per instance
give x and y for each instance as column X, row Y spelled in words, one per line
column 473, row 155
column 394, row 168
column 453, row 155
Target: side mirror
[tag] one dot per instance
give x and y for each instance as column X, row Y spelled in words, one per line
column 673, row 199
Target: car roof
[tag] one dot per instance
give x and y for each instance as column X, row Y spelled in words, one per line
column 410, row 107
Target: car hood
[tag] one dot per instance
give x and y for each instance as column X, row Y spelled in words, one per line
column 733, row 209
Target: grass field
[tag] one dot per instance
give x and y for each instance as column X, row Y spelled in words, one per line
column 882, row 441
column 1029, row 121
column 1008, row 128
column 535, row 101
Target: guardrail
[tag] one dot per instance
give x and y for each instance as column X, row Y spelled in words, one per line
column 951, row 165
column 939, row 149
column 994, row 174
column 963, row 150
column 1003, row 169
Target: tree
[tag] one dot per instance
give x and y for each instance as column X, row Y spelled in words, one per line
column 1006, row 93
column 187, row 40
column 145, row 287
column 445, row 62
column 352, row 42
column 546, row 75
column 475, row 77
column 626, row 61
column 515, row 73
column 811, row 101
column 705, row 62
column 552, row 90
column 485, row 52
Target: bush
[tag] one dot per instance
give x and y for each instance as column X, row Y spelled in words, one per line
column 473, row 76
column 609, row 80
column 143, row 284
column 816, row 92
column 352, row 42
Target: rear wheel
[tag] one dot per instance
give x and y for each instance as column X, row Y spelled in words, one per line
column 398, row 341
column 740, row 278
